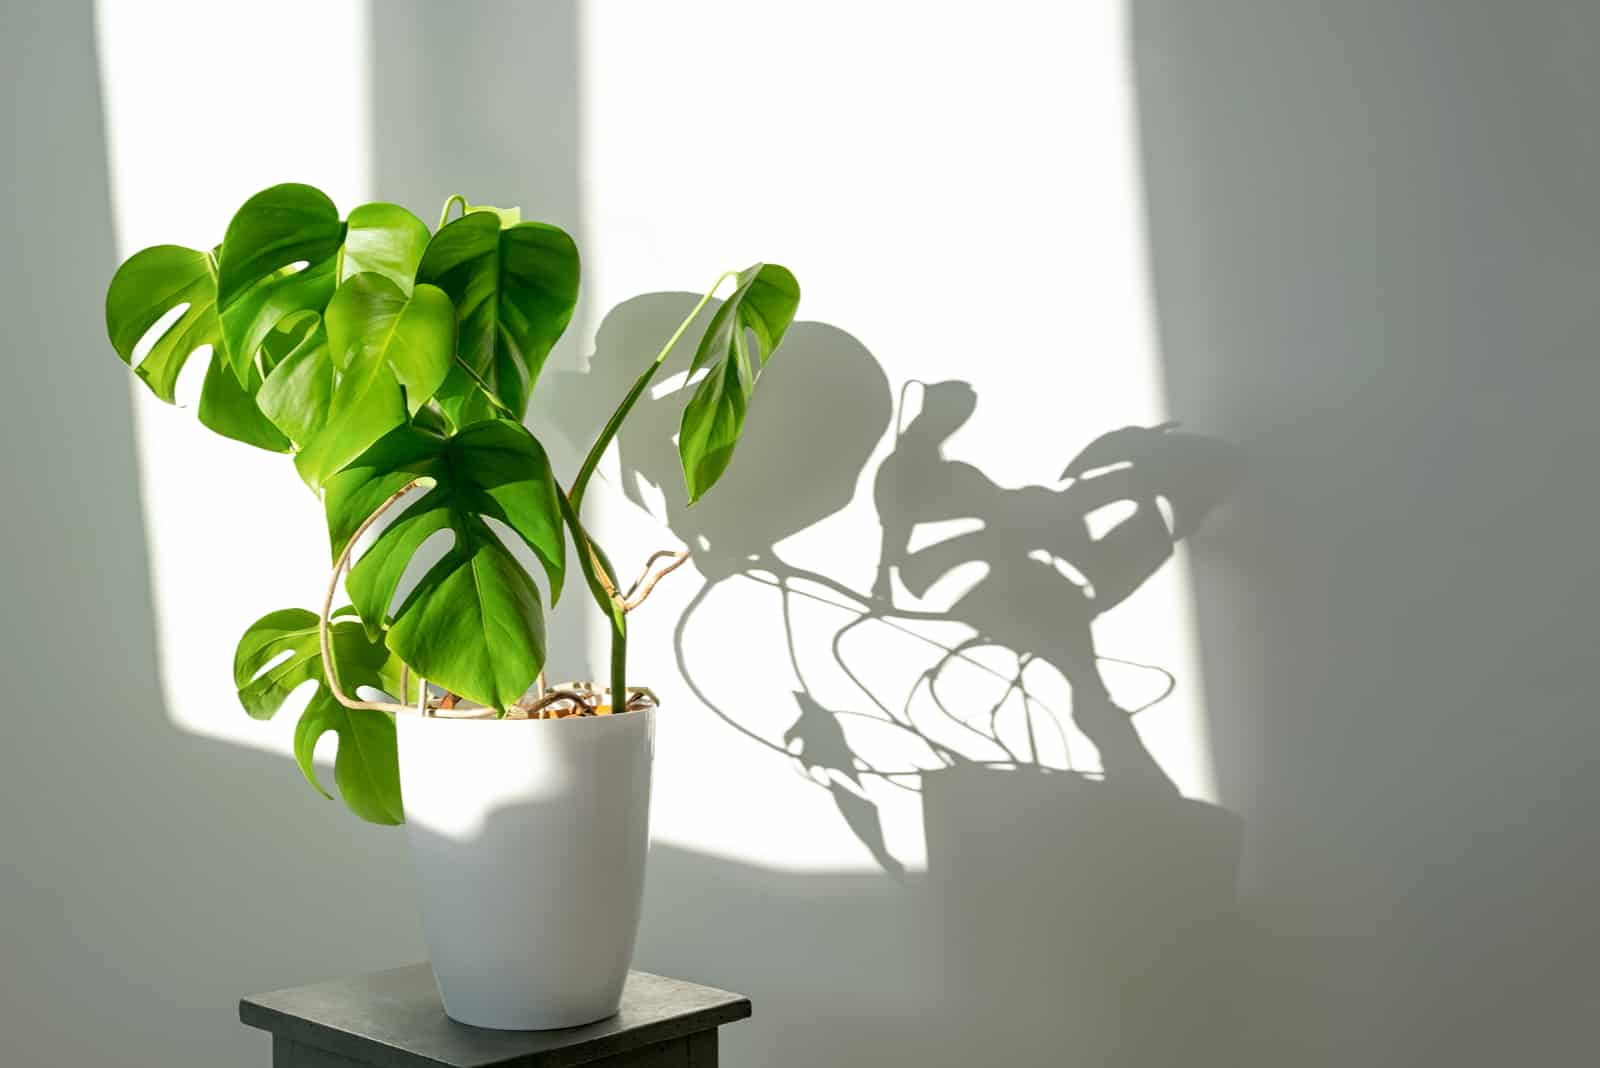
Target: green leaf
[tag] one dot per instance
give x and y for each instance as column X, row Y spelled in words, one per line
column 297, row 390
column 281, row 652
column 507, row 216
column 474, row 623
column 594, row 563
column 385, row 239
column 152, row 284
column 390, row 353
column 257, row 283
column 371, row 320
column 233, row 410
column 763, row 305
column 593, row 566
column 366, row 767
column 514, row 290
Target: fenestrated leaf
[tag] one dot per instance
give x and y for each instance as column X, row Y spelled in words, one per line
column 155, row 282
column 150, row 284
column 366, row 767
column 514, row 290
column 763, row 304
column 478, row 594
column 264, row 681
column 474, row 624
column 279, row 653
column 257, row 283
column 390, row 353
column 385, row 239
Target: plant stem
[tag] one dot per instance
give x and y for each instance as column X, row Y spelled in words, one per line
column 601, row 579
column 608, row 599
column 444, row 215
column 619, row 669
column 614, row 424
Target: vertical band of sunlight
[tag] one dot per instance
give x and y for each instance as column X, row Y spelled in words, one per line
column 206, row 104
column 983, row 227
column 963, row 196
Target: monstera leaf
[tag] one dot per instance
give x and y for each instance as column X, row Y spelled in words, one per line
column 232, row 410
column 507, row 216
column 259, row 278
column 275, row 271
column 281, row 652
column 514, row 289
column 764, row 305
column 153, row 284
column 474, row 622
column 390, row 352
column 384, row 239
column 298, row 387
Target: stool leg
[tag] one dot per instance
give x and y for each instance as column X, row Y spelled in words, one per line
column 703, row 1049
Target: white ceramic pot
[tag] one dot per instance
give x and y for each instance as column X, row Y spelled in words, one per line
column 528, row 838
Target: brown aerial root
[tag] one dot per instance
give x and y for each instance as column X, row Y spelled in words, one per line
column 648, row 578
column 568, row 700
column 330, row 670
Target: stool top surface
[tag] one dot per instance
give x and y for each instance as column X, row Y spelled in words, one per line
column 394, row 1019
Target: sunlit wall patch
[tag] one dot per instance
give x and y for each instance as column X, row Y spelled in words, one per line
column 206, row 104
column 973, row 238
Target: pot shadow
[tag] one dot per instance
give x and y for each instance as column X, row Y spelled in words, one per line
column 1056, row 920
column 1082, row 913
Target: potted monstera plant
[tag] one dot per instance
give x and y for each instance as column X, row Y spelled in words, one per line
column 395, row 365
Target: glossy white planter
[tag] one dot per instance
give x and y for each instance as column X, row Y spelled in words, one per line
column 528, row 838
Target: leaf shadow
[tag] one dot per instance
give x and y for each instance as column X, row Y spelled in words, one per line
column 1068, row 889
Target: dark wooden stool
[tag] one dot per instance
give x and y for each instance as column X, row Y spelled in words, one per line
column 394, row 1019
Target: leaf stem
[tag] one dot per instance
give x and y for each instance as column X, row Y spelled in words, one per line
column 614, row 424
column 444, row 216
column 602, row 582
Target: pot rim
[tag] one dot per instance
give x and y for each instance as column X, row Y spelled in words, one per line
column 617, row 716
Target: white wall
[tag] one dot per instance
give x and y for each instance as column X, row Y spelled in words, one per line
column 1353, row 241
column 937, row 237
column 148, row 876
column 1373, row 230
column 960, row 197
column 181, row 161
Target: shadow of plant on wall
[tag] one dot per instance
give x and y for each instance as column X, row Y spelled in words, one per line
column 1049, row 561
column 1063, row 865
